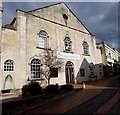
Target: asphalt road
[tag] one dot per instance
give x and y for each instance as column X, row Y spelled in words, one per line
column 96, row 102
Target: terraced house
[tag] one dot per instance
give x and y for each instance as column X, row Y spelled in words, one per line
column 110, row 59
column 52, row 28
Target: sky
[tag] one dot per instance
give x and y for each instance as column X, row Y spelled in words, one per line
column 100, row 18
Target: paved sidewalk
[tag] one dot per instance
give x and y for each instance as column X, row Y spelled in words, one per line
column 97, row 101
column 66, row 103
column 115, row 110
column 107, row 106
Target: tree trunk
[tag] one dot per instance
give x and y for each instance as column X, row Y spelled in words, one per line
column 48, row 81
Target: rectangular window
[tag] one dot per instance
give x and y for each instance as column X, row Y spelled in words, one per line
column 54, row 72
column 82, row 72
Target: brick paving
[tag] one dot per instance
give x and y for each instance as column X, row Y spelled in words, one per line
column 97, row 101
column 66, row 103
column 107, row 106
column 115, row 110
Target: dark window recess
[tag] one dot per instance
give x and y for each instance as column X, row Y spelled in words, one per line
column 85, row 48
column 68, row 44
column 82, row 72
column 54, row 72
column 8, row 65
column 65, row 16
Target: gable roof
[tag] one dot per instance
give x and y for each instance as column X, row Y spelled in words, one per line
column 45, row 7
column 67, row 7
column 31, row 12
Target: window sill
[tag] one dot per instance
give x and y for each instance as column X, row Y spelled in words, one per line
column 54, row 77
column 43, row 48
column 86, row 54
column 8, row 71
column 68, row 52
column 92, row 76
column 36, row 79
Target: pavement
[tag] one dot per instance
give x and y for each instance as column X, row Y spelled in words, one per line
column 69, row 103
column 108, row 106
column 100, row 103
column 115, row 110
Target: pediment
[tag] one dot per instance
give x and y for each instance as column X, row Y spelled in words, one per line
column 57, row 12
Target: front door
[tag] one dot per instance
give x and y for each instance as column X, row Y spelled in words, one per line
column 69, row 71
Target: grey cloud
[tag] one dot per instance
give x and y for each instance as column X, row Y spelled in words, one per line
column 101, row 20
column 109, row 26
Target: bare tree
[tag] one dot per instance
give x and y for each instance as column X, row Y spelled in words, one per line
column 50, row 61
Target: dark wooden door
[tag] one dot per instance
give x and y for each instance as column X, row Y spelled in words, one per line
column 69, row 75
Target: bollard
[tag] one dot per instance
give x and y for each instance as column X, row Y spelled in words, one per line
column 83, row 86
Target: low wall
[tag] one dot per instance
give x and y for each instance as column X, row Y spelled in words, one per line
column 19, row 106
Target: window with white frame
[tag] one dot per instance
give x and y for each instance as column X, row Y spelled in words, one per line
column 68, row 46
column 85, row 48
column 92, row 70
column 8, row 65
column 43, row 39
column 35, row 69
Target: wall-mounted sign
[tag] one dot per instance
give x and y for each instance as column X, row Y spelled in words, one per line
column 68, row 56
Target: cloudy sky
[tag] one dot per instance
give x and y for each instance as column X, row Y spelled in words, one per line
column 101, row 18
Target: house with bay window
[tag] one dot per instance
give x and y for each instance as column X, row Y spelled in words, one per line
column 52, row 28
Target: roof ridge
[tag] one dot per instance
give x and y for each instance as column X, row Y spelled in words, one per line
column 45, row 7
column 57, row 4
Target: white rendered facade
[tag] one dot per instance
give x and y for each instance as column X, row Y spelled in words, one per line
column 53, row 28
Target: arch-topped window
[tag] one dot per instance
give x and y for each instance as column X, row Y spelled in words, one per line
column 43, row 39
column 85, row 48
column 92, row 70
column 35, row 69
column 9, row 65
column 69, row 64
column 68, row 46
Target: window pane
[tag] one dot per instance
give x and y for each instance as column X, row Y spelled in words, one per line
column 67, row 43
column 54, row 72
column 35, row 68
column 8, row 65
column 82, row 72
column 43, row 39
column 85, row 48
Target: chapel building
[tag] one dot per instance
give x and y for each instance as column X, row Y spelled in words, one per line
column 51, row 28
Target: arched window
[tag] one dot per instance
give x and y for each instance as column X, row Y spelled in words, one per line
column 35, row 69
column 92, row 70
column 85, row 48
column 8, row 65
column 69, row 64
column 67, row 42
column 43, row 39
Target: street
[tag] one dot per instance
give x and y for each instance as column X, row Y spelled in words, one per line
column 97, row 97
column 96, row 102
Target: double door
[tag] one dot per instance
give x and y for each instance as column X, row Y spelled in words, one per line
column 69, row 75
